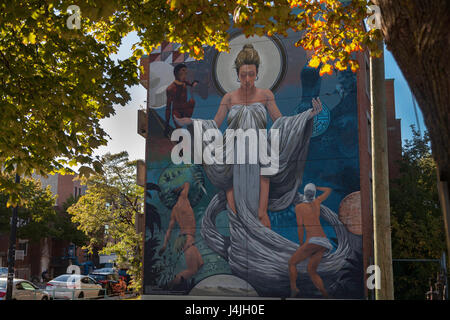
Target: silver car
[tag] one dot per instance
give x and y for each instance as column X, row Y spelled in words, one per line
column 23, row 290
column 74, row 286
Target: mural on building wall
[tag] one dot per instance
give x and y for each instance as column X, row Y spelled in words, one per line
column 284, row 226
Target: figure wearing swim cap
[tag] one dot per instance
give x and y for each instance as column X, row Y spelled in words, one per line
column 316, row 243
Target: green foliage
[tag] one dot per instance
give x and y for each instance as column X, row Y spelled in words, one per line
column 36, row 218
column 416, row 219
column 107, row 212
column 65, row 229
column 56, row 85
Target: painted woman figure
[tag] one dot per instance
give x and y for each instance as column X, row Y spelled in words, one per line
column 253, row 251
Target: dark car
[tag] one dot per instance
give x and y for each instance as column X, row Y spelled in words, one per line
column 107, row 277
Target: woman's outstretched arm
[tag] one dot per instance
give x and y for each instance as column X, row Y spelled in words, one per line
column 275, row 112
column 223, row 110
column 220, row 115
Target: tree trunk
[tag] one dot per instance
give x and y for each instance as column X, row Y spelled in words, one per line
column 417, row 34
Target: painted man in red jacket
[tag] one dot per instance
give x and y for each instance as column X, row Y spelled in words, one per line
column 177, row 103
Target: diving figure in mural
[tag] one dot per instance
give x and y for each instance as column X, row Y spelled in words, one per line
column 183, row 214
column 254, row 251
column 316, row 243
column 177, row 102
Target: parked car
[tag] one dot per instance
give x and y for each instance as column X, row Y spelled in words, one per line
column 106, row 269
column 3, row 272
column 107, row 277
column 23, row 290
column 74, row 286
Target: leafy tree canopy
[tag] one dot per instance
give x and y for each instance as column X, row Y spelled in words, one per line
column 67, row 230
column 107, row 212
column 36, row 218
column 417, row 222
column 39, row 217
column 56, row 84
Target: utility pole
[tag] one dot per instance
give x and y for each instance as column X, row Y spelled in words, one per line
column 12, row 250
column 380, row 179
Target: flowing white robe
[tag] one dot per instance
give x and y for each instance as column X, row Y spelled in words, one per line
column 256, row 253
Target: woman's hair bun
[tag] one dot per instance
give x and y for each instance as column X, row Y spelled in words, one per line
column 248, row 55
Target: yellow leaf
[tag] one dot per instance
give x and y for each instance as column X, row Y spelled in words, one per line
column 32, row 38
column 317, row 43
column 354, row 65
column 314, row 62
column 340, row 66
column 326, row 69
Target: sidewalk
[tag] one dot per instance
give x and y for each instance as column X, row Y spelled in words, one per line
column 128, row 296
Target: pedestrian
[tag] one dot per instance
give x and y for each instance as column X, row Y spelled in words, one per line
column 44, row 275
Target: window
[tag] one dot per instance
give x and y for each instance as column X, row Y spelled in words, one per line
column 28, row 286
column 23, row 245
column 62, row 278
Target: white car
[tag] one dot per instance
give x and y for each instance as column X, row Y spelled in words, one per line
column 23, row 290
column 74, row 286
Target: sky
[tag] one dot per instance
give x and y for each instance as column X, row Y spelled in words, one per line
column 122, row 127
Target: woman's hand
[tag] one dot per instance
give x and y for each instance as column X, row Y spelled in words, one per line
column 182, row 121
column 264, row 218
column 317, row 107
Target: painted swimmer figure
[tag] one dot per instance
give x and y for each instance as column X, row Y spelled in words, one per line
column 316, row 243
